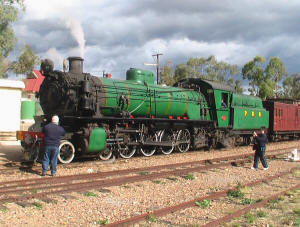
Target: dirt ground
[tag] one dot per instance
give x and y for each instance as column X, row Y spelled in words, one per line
column 10, row 151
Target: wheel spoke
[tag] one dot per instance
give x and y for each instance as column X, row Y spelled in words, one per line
column 167, row 136
column 149, row 150
column 183, row 140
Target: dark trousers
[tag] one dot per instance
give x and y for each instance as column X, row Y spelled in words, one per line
column 260, row 154
column 50, row 155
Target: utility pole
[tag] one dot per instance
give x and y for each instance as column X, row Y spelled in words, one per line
column 157, row 66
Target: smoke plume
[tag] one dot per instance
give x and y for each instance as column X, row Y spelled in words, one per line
column 78, row 34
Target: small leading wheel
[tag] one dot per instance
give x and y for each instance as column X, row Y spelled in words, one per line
column 183, row 140
column 165, row 137
column 105, row 155
column 149, row 150
column 66, row 152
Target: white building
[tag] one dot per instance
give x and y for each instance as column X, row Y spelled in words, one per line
column 10, row 106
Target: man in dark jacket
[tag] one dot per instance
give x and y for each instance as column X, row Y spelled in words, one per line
column 260, row 141
column 53, row 133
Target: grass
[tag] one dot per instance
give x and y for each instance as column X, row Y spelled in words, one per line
column 296, row 211
column 204, row 203
column 38, row 205
column 189, row 177
column 4, row 210
column 297, row 222
column 90, row 194
column 289, row 193
column 296, row 173
column 261, row 214
column 237, row 193
column 34, row 191
column 144, row 173
column 247, row 201
column 250, row 218
column 151, row 218
column 102, row 222
column 158, row 182
column 236, row 225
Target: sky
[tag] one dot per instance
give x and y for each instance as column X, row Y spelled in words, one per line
column 114, row 35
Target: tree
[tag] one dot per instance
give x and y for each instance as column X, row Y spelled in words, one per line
column 253, row 71
column 26, row 61
column 238, row 87
column 182, row 71
column 197, row 67
column 276, row 71
column 266, row 89
column 291, row 86
column 167, row 75
column 264, row 79
column 8, row 15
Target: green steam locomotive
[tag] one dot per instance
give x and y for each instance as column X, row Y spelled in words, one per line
column 104, row 116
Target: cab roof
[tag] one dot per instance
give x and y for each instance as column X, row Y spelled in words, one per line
column 208, row 83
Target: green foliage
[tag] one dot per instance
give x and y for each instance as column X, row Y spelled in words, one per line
column 144, row 173
column 182, row 71
column 167, row 75
column 289, row 193
column 250, row 218
column 205, row 68
column 276, row 71
column 158, row 182
column 253, row 71
column 8, row 15
column 238, row 87
column 291, row 86
column 4, row 210
column 261, row 214
column 189, row 177
column 102, row 222
column 297, row 222
column 38, row 205
column 90, row 194
column 34, row 191
column 247, row 201
column 264, row 78
column 204, row 203
column 151, row 218
column 297, row 211
column 26, row 61
column 237, row 193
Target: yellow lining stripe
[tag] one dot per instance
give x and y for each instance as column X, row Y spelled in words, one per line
column 128, row 105
column 150, row 104
column 186, row 103
column 169, row 104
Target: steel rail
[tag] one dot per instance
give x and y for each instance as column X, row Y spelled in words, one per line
column 13, row 166
column 82, row 186
column 134, row 170
column 40, row 183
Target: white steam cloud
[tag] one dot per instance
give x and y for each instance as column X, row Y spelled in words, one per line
column 77, row 32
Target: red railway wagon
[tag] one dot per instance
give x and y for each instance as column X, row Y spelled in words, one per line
column 284, row 118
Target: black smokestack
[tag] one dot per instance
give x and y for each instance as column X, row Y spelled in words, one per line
column 75, row 65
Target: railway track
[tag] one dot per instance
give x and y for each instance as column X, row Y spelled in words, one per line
column 12, row 167
column 21, row 190
column 214, row 196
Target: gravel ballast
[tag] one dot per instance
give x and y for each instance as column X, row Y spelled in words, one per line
column 107, row 205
